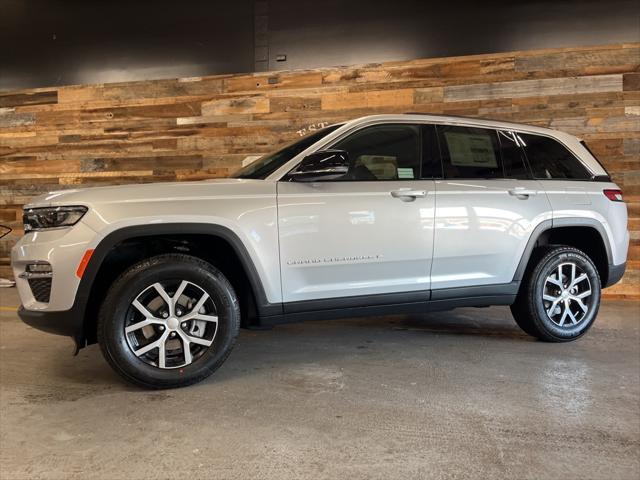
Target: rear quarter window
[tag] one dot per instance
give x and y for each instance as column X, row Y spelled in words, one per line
column 549, row 159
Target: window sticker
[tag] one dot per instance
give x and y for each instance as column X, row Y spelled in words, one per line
column 471, row 150
column 404, row 173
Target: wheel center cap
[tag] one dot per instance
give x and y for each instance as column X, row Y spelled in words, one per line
column 172, row 323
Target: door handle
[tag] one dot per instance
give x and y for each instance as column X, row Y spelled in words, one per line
column 408, row 195
column 522, row 193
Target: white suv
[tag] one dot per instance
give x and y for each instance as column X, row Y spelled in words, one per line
column 383, row 214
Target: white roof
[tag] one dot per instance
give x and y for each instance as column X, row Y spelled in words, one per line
column 458, row 120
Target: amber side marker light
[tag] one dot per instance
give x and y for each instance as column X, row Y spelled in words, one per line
column 84, row 262
column 613, row 195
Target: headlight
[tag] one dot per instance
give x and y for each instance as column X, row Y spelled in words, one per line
column 52, row 217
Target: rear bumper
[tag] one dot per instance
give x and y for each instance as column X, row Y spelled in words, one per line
column 615, row 274
column 67, row 322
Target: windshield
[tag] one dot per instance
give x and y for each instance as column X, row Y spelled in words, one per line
column 265, row 166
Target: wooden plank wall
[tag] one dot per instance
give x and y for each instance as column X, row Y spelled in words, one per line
column 198, row 128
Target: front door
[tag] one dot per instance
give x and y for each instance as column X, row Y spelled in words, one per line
column 366, row 234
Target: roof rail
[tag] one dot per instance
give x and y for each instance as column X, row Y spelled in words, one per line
column 462, row 117
column 451, row 116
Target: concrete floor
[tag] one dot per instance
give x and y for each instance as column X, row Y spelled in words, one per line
column 460, row 394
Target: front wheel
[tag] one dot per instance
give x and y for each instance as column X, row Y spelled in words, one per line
column 168, row 321
column 560, row 296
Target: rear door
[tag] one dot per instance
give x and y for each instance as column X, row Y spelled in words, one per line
column 487, row 206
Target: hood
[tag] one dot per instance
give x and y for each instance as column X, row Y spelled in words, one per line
column 155, row 192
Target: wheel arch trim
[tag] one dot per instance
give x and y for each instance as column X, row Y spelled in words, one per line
column 547, row 225
column 106, row 244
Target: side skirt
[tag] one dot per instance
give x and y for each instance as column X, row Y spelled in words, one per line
column 395, row 303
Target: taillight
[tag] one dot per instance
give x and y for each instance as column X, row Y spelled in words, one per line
column 613, row 195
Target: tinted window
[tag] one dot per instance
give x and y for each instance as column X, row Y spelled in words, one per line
column 431, row 165
column 512, row 156
column 383, row 152
column 550, row 159
column 265, row 166
column 469, row 152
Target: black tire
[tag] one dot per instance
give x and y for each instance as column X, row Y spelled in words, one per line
column 117, row 312
column 530, row 310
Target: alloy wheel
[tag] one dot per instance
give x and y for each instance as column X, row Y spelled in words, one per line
column 566, row 295
column 171, row 324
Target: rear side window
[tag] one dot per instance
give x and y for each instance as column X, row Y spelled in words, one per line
column 469, row 152
column 549, row 159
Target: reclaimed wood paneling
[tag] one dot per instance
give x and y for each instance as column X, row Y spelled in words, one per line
column 535, row 88
column 203, row 127
column 29, row 98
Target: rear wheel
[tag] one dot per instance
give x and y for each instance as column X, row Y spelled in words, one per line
column 560, row 296
column 168, row 321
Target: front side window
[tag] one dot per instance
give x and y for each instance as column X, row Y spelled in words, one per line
column 383, row 152
column 550, row 159
column 469, row 152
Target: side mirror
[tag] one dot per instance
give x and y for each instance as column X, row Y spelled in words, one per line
column 322, row 165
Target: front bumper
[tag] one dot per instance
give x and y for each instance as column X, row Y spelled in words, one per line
column 63, row 250
column 68, row 322
column 59, row 323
